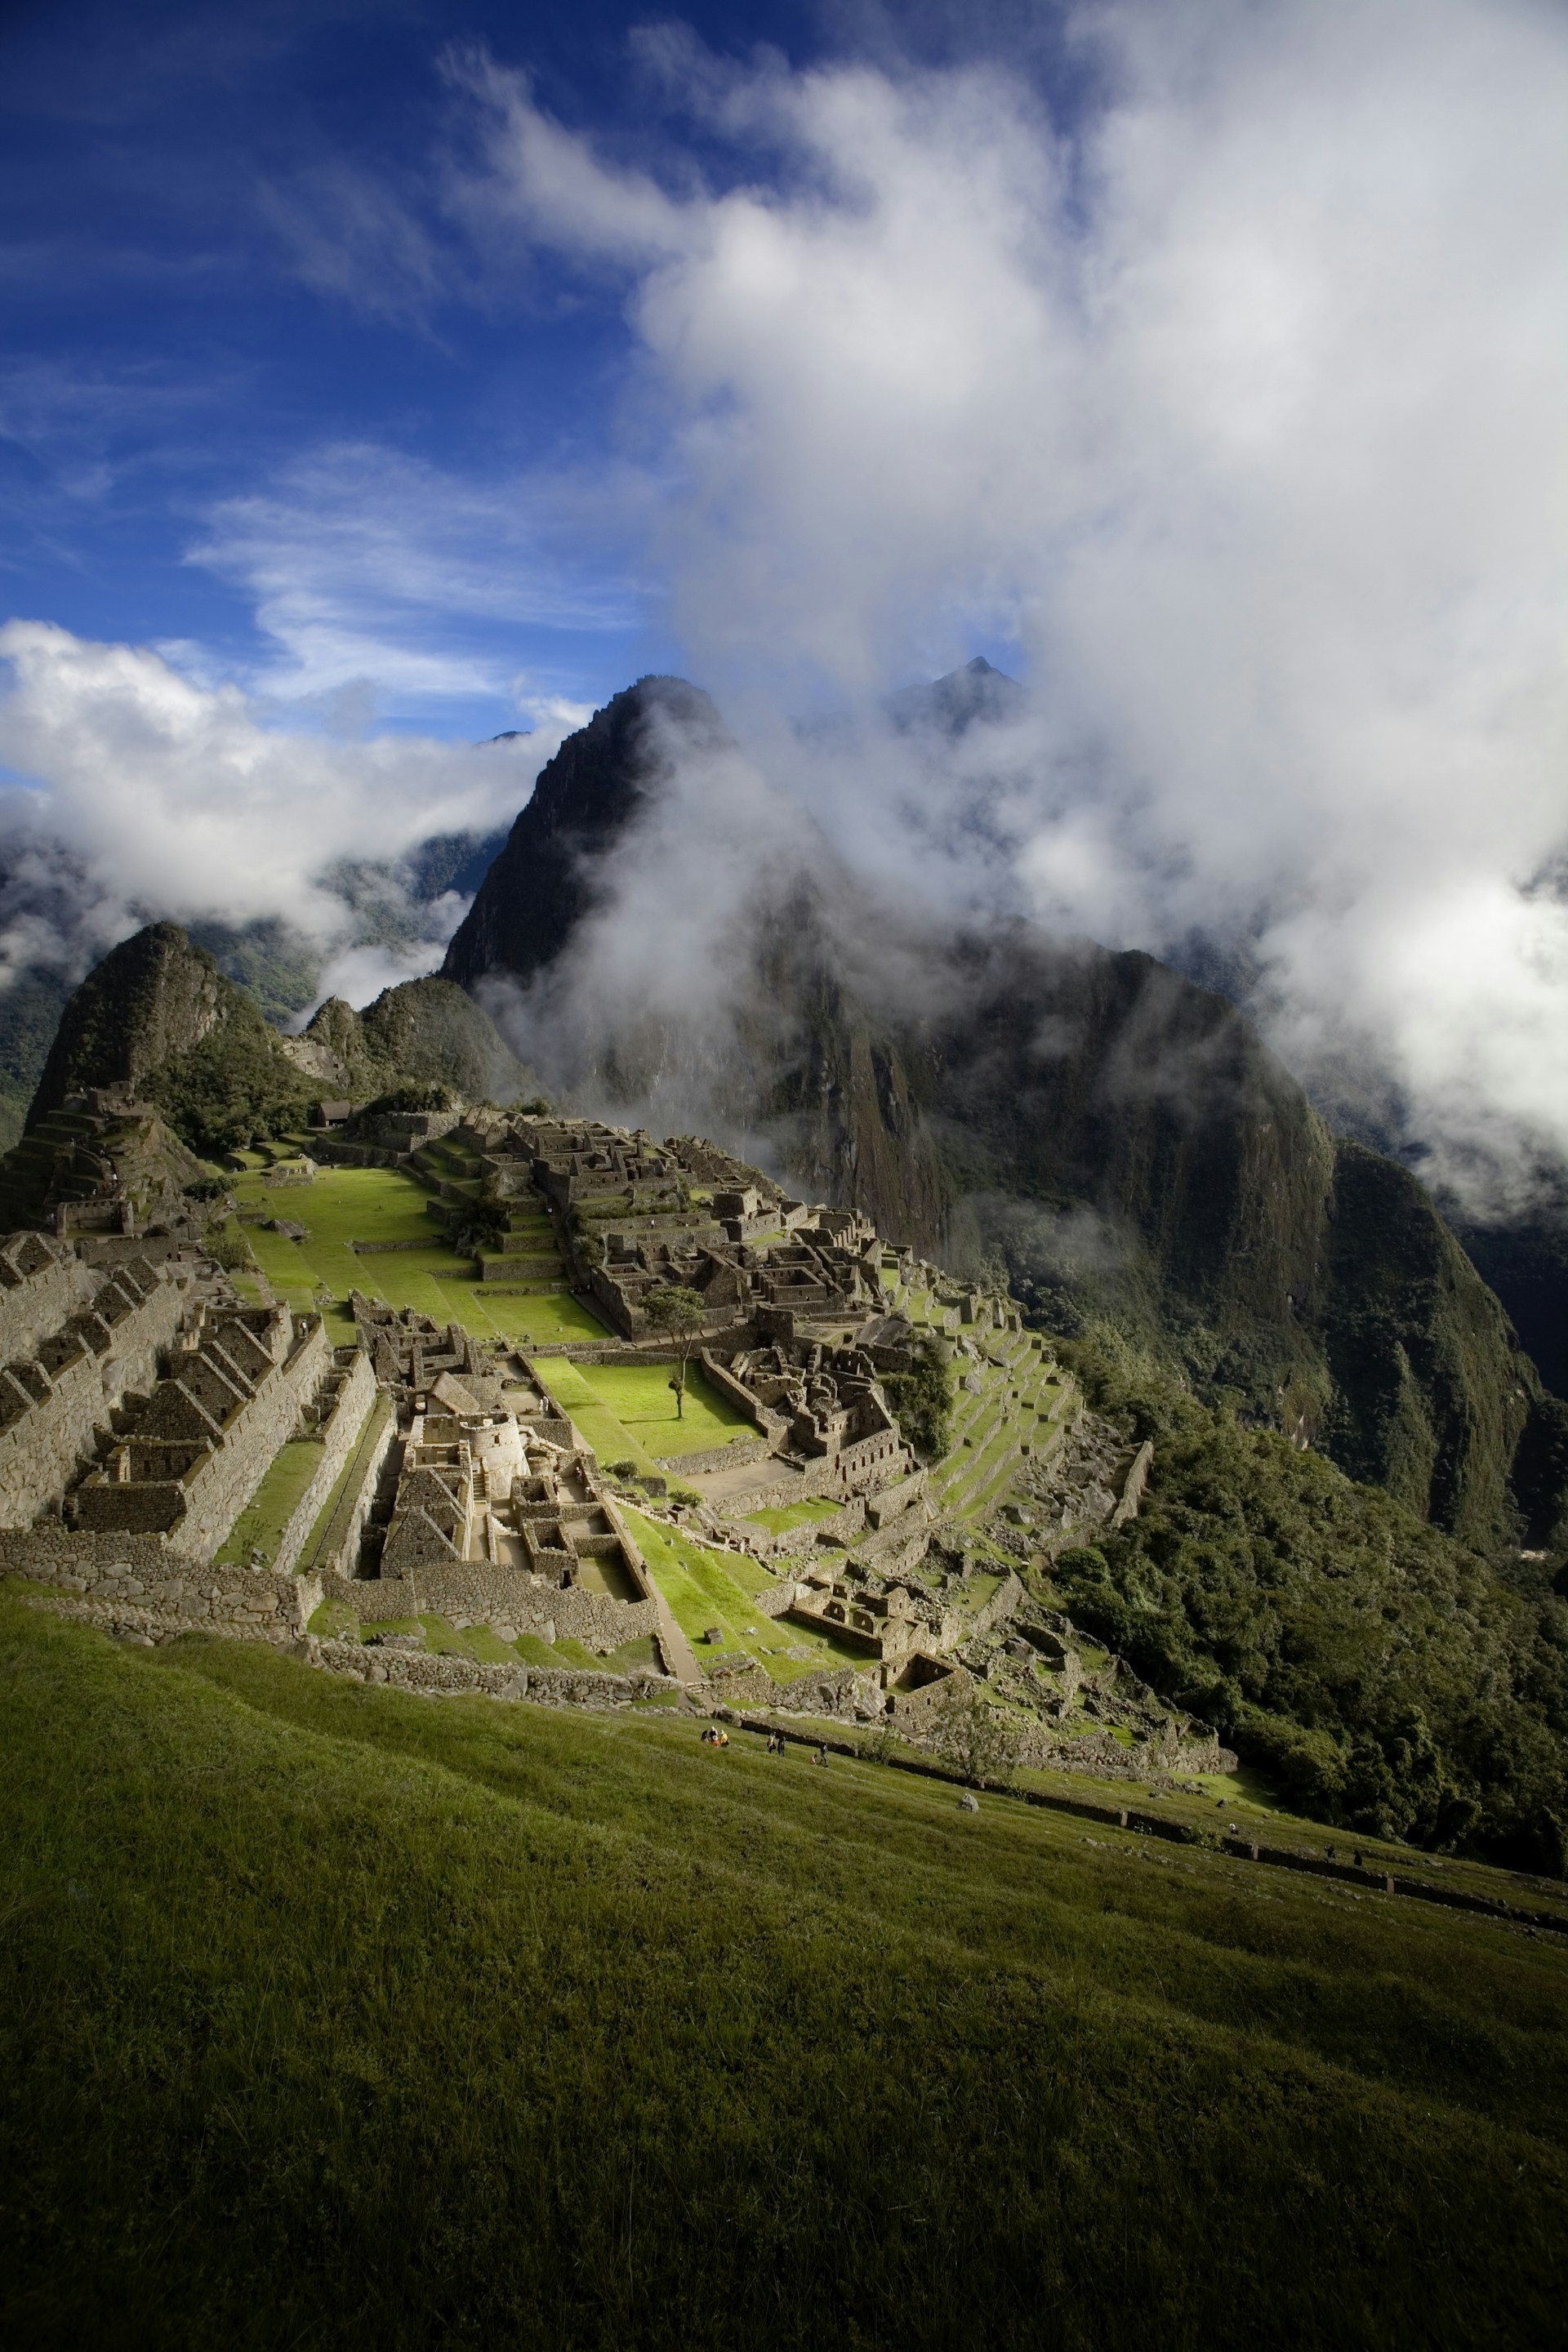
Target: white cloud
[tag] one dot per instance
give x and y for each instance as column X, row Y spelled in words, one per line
column 1239, row 408
column 149, row 792
column 371, row 570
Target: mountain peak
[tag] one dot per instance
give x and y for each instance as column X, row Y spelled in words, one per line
column 541, row 884
column 952, row 703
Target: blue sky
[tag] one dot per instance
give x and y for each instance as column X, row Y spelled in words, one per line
column 377, row 378
column 265, row 402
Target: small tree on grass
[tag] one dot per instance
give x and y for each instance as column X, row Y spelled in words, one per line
column 976, row 1737
column 674, row 1308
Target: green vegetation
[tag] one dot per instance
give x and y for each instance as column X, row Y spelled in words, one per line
column 333, row 2016
column 644, row 1404
column 922, row 1400
column 260, row 1525
column 677, row 1310
column 976, row 1737
column 796, row 1515
column 1388, row 1678
column 706, row 1588
column 343, row 1205
column 411, row 1096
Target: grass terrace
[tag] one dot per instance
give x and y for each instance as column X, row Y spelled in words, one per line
column 640, row 1397
column 581, row 2033
column 796, row 1515
column 707, row 1588
column 343, row 1205
column 260, row 1525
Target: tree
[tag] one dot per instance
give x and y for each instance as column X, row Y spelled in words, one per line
column 675, row 1308
column 922, row 1400
column 975, row 1736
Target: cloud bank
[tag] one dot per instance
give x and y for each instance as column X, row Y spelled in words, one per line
column 1235, row 406
column 141, row 793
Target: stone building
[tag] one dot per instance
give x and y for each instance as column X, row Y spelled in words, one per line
column 79, row 1340
column 195, row 1453
column 500, row 1515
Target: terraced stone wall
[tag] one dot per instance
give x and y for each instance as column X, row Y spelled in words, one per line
column 340, row 1435
column 488, row 1595
column 199, row 1508
column 141, row 1585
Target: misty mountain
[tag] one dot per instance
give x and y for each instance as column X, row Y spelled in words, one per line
column 50, row 910
column 664, row 938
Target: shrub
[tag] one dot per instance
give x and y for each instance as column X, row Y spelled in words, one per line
column 922, row 1401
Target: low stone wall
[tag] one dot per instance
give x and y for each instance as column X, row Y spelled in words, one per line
column 851, row 1474
column 339, row 1435
column 740, row 1450
column 138, row 1585
column 890, row 1502
column 998, row 1609
column 843, row 1526
column 497, row 1596
column 437, row 1677
column 772, row 1425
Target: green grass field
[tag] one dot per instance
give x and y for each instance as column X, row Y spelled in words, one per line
column 269, row 1510
column 334, row 2017
column 795, row 1514
column 706, row 1588
column 348, row 1205
column 640, row 1398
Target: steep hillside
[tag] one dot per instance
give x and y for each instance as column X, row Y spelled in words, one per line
column 335, row 2016
column 1120, row 1136
column 424, row 1030
column 158, row 1020
column 542, row 882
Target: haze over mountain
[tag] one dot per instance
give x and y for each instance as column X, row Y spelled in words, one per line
column 664, row 939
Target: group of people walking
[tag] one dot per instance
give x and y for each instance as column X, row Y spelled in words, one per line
column 715, row 1736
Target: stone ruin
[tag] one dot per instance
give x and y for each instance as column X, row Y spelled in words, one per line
column 148, row 1405
column 80, row 1341
column 499, row 1514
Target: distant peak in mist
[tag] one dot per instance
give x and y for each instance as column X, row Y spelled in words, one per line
column 954, row 702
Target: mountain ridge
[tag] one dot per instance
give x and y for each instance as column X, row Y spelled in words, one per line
column 1122, row 1136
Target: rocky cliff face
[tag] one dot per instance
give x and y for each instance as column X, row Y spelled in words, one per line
column 159, row 1018
column 1121, row 1136
column 153, row 998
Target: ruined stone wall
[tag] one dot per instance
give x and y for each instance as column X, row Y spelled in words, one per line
column 457, row 1677
column 339, row 1544
column 772, row 1425
column 340, row 1435
column 492, row 1595
column 140, row 1585
column 57, row 1414
column 218, row 1488
column 1132, row 1485
column 38, row 1301
column 716, row 1457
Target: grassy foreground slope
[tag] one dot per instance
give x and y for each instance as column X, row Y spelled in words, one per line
column 336, row 2017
